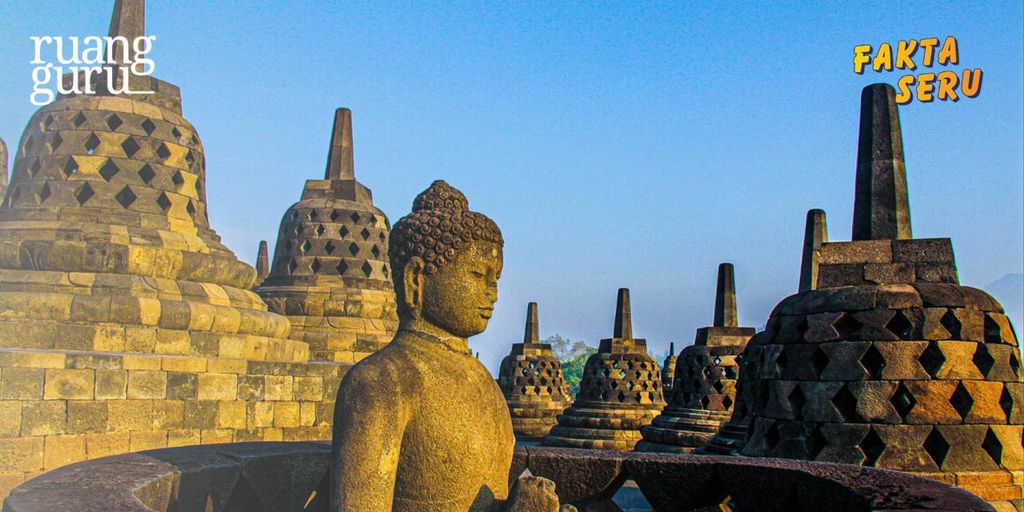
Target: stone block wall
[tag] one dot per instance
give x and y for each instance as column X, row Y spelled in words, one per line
column 59, row 407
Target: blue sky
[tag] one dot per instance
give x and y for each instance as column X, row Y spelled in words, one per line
column 616, row 144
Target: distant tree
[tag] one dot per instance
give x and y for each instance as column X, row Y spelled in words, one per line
column 573, row 356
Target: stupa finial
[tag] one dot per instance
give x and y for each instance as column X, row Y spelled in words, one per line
column 532, row 334
column 623, row 317
column 725, row 297
column 881, row 208
column 262, row 262
column 340, row 158
column 128, row 22
column 3, row 168
column 815, row 234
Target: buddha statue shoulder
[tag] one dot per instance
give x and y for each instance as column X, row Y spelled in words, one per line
column 421, row 425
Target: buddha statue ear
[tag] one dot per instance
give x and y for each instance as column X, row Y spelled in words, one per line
column 413, row 277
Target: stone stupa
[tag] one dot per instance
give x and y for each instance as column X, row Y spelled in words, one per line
column 890, row 362
column 733, row 434
column 330, row 273
column 531, row 379
column 668, row 371
column 125, row 323
column 620, row 392
column 705, row 379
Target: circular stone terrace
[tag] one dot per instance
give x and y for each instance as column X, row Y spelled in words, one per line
column 289, row 477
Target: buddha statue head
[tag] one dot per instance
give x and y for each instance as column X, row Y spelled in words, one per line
column 445, row 263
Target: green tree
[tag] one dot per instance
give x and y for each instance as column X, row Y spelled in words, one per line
column 573, row 356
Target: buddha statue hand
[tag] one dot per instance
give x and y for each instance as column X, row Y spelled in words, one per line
column 534, row 494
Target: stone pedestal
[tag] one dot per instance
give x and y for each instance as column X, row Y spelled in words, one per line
column 531, row 379
column 705, row 380
column 330, row 273
column 620, row 392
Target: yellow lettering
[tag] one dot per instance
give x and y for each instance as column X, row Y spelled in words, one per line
column 925, row 87
column 883, row 59
column 971, row 84
column 949, row 54
column 929, row 50
column 860, row 57
column 905, row 55
column 947, row 86
column 904, row 95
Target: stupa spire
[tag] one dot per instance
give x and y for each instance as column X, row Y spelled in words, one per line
column 671, row 348
column 3, row 169
column 623, row 317
column 532, row 334
column 262, row 262
column 340, row 158
column 881, row 208
column 725, row 297
column 128, row 21
column 815, row 234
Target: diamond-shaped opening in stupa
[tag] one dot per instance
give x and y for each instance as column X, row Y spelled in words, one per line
column 872, row 446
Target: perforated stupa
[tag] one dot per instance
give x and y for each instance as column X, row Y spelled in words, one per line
column 889, row 361
column 620, row 392
column 531, row 379
column 705, row 379
column 330, row 273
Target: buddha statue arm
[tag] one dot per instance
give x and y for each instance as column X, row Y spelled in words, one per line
column 369, row 421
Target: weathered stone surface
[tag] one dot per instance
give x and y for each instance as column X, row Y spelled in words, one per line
column 262, row 263
column 881, row 208
column 533, row 494
column 3, row 170
column 815, row 234
column 620, row 392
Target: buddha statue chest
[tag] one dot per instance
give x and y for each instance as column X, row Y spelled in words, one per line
column 458, row 441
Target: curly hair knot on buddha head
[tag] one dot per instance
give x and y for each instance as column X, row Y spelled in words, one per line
column 440, row 225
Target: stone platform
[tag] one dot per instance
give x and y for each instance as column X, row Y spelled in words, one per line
column 291, row 477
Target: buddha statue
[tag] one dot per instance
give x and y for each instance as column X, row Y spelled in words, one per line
column 421, row 425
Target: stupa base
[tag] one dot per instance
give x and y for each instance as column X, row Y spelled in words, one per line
column 681, row 430
column 728, row 441
column 605, row 428
column 531, row 422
